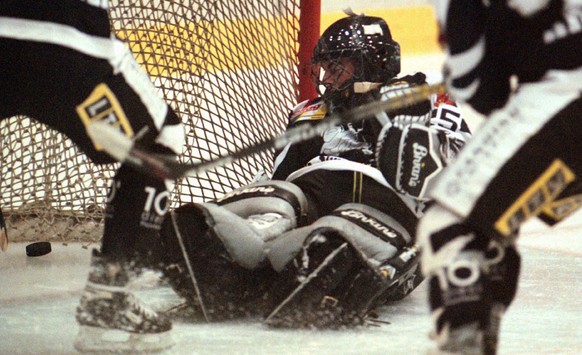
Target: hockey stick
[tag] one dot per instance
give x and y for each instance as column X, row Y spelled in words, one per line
column 122, row 148
column 189, row 266
column 3, row 233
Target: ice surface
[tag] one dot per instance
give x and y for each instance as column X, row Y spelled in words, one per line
column 39, row 295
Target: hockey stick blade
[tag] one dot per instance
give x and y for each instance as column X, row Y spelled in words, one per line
column 165, row 167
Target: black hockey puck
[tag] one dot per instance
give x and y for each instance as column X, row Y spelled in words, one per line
column 38, row 249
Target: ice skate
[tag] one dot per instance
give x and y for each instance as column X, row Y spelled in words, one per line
column 112, row 320
column 465, row 340
column 471, row 338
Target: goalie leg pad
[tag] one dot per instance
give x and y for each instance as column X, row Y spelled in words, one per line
column 326, row 286
column 201, row 223
column 316, row 291
column 228, row 287
column 268, row 197
column 224, row 242
column 378, row 237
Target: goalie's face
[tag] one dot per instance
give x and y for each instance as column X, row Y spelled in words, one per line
column 336, row 75
column 333, row 77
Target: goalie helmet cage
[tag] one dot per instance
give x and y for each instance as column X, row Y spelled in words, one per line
column 231, row 69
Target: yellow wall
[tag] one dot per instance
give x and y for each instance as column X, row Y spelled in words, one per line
column 414, row 28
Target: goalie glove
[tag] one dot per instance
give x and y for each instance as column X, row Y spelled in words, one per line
column 409, row 158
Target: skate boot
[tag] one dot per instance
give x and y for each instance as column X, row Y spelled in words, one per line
column 111, row 319
column 471, row 338
column 466, row 340
column 478, row 336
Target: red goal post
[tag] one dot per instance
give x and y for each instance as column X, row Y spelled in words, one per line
column 310, row 27
column 232, row 70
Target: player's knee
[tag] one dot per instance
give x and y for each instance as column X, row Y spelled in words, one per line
column 435, row 219
column 441, row 236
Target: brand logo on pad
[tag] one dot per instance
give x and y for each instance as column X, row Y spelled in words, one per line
column 254, row 191
column 419, row 152
column 369, row 221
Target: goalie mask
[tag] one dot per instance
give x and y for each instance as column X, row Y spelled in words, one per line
column 354, row 49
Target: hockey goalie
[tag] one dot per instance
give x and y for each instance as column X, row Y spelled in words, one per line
column 330, row 236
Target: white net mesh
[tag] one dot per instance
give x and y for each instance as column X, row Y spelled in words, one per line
column 228, row 68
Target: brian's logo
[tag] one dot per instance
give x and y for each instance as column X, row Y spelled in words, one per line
column 419, row 152
column 369, row 221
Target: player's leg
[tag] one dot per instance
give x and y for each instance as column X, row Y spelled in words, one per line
column 467, row 238
column 136, row 206
column 472, row 281
column 66, row 71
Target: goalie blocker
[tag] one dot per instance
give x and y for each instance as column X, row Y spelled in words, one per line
column 409, row 158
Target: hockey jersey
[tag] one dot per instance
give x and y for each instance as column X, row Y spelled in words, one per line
column 489, row 42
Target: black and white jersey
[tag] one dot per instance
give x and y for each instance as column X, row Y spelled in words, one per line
column 356, row 142
column 62, row 66
column 489, row 42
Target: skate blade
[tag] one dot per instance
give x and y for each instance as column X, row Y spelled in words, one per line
column 100, row 340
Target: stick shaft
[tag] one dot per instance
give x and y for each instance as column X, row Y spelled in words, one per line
column 168, row 168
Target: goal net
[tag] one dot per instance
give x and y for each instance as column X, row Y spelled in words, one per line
column 228, row 68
